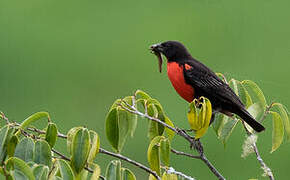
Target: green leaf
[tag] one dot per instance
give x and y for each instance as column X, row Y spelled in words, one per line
column 12, row 145
column 254, row 88
column 42, row 153
column 153, row 154
column 166, row 176
column 142, row 95
column 165, row 151
column 278, row 131
column 113, row 171
column 51, row 134
column 20, row 166
column 82, row 175
column 116, row 104
column 70, row 135
column 219, row 122
column 112, row 128
column 95, row 146
column 234, row 85
column 244, row 95
column 40, row 172
column 155, row 110
column 123, row 126
column 284, row 115
column 18, row 175
column 54, row 171
column 5, row 135
column 117, row 127
column 25, row 149
column 34, row 117
column 169, row 132
column 255, row 109
column 65, row 170
column 127, row 174
column 80, row 149
column 97, row 172
column 132, row 118
column 227, row 130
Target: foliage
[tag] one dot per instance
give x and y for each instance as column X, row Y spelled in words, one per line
column 28, row 153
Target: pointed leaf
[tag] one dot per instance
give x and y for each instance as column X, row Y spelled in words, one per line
column 97, row 172
column 166, row 176
column 70, row 135
column 34, row 117
column 40, row 172
column 25, row 149
column 127, row 174
column 255, row 109
column 165, row 151
column 82, row 175
column 169, row 132
column 12, row 145
column 51, row 134
column 228, row 129
column 284, row 115
column 254, row 88
column 132, row 118
column 112, row 128
column 95, row 146
column 113, row 171
column 278, row 131
column 80, row 150
column 123, row 125
column 142, row 95
column 219, row 123
column 42, row 153
column 153, row 155
column 192, row 116
column 20, row 166
column 65, row 170
column 155, row 129
column 204, row 118
column 18, row 175
column 4, row 137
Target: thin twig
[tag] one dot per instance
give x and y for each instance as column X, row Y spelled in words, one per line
column 184, row 154
column 101, row 150
column 193, row 143
column 119, row 156
column 171, row 170
column 62, row 156
column 267, row 170
column 266, row 112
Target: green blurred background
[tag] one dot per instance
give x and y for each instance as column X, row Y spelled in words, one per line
column 74, row 58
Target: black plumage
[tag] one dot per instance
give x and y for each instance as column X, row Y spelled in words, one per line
column 206, row 83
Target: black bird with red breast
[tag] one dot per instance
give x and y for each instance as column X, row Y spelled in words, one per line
column 192, row 79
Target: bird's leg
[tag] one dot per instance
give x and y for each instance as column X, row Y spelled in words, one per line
column 196, row 144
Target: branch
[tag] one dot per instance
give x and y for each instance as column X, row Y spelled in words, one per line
column 119, row 156
column 101, row 150
column 184, row 154
column 267, row 170
column 193, row 143
column 171, row 170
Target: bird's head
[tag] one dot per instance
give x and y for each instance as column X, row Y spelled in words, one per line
column 174, row 51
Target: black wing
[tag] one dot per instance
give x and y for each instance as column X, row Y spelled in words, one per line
column 207, row 83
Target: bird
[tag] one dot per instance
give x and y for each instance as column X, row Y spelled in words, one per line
column 192, row 79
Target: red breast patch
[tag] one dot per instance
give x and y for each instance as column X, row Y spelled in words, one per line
column 176, row 76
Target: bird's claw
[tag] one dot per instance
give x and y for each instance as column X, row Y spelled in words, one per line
column 196, row 144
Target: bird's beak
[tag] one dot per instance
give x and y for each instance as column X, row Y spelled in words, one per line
column 157, row 49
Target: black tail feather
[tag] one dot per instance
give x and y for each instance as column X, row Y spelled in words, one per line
column 248, row 118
